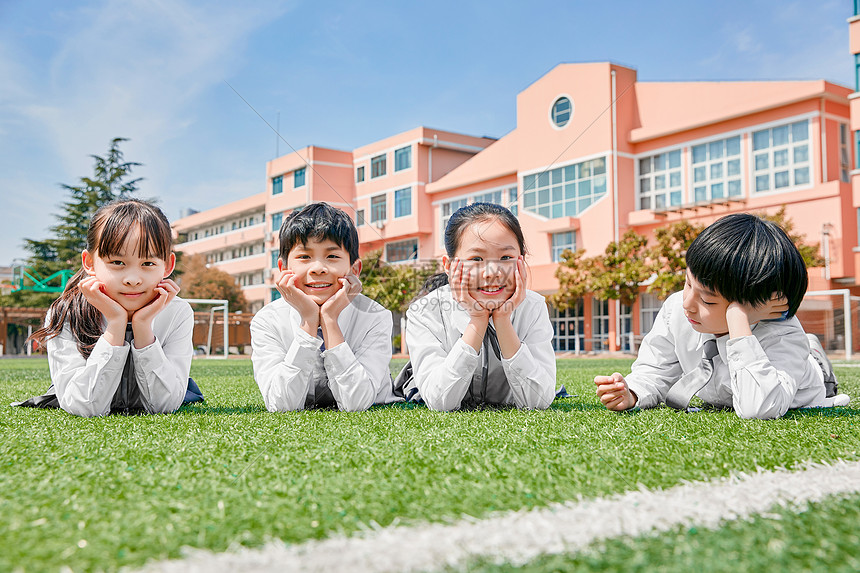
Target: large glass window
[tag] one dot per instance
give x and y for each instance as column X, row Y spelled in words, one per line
column 401, row 251
column 489, row 197
column 561, row 242
column 599, row 324
column 649, row 306
column 844, row 163
column 277, row 185
column 402, row 158
column 377, row 208
column 276, row 221
column 565, row 191
column 660, row 180
column 359, row 218
column 359, row 174
column 403, row 202
column 717, row 170
column 276, row 294
column 377, row 166
column 568, row 327
column 781, row 157
column 299, row 177
column 275, row 254
column 561, row 111
column 512, row 200
column 449, row 209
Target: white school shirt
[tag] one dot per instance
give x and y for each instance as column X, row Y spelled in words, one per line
column 85, row 386
column 760, row 376
column 443, row 364
column 289, row 365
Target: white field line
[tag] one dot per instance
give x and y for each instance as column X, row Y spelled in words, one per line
column 521, row 536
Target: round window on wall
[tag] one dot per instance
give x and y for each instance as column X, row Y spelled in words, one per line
column 562, row 109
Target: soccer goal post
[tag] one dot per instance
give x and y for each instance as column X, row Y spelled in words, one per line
column 832, row 315
column 210, row 321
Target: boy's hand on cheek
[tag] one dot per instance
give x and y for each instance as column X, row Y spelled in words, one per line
column 773, row 309
column 307, row 307
column 350, row 287
column 614, row 393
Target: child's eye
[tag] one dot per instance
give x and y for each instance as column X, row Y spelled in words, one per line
column 507, row 258
column 116, row 263
column 708, row 303
column 148, row 264
column 334, row 256
column 476, row 259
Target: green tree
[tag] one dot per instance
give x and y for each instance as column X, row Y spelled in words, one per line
column 667, row 258
column 809, row 251
column 392, row 286
column 111, row 180
column 199, row 281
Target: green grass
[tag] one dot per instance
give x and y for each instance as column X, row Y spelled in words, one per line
column 821, row 537
column 118, row 491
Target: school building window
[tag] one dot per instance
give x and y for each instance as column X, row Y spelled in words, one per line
column 660, row 180
column 359, row 174
column 844, row 162
column 403, row 202
column 857, row 72
column 401, row 251
column 512, row 200
column 565, row 191
column 402, row 158
column 276, row 221
column 649, row 306
column 275, row 255
column 561, row 111
column 599, row 324
column 359, row 218
column 377, row 166
column 277, row 185
column 377, row 208
column 717, row 169
column 490, row 197
column 562, row 242
column 276, row 294
column 449, row 209
column 781, row 156
column 568, row 327
column 299, row 177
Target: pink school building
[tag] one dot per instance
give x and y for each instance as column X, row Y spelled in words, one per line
column 593, row 154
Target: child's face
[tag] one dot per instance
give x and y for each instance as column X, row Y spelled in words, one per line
column 489, row 250
column 129, row 279
column 704, row 308
column 318, row 265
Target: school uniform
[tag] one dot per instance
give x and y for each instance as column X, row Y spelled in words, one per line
column 115, row 379
column 295, row 371
column 759, row 376
column 448, row 374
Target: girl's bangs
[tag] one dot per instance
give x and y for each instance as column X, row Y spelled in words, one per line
column 154, row 241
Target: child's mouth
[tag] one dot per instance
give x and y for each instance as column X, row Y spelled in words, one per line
column 492, row 289
column 318, row 286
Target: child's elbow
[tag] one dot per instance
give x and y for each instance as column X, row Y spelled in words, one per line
column 84, row 409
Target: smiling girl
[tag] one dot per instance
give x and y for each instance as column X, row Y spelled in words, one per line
column 118, row 339
column 482, row 338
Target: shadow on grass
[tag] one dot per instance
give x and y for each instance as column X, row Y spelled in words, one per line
column 204, row 410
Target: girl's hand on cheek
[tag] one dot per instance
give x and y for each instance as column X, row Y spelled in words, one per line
column 460, row 279
column 165, row 292
column 94, row 292
column 507, row 308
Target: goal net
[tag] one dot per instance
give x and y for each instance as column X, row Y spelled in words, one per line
column 833, row 316
column 211, row 336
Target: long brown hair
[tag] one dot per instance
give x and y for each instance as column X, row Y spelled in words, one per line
column 109, row 228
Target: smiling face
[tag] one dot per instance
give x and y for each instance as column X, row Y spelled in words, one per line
column 129, row 278
column 704, row 308
column 318, row 264
column 489, row 250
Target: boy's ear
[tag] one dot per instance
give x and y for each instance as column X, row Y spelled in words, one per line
column 356, row 267
column 87, row 263
column 282, row 266
column 171, row 264
column 446, row 263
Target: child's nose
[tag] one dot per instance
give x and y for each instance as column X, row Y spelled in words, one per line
column 132, row 279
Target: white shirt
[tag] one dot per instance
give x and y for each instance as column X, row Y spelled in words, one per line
column 443, row 364
column 760, row 376
column 86, row 386
column 291, row 369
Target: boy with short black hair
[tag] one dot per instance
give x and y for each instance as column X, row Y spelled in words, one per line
column 322, row 344
column 731, row 336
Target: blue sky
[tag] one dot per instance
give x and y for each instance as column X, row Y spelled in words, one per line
column 74, row 75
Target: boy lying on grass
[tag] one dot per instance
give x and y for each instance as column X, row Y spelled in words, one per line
column 731, row 336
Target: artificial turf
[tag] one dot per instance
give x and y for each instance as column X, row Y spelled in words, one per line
column 118, row 491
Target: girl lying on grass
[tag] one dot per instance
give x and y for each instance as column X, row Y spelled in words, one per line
column 731, row 336
column 479, row 336
column 118, row 339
